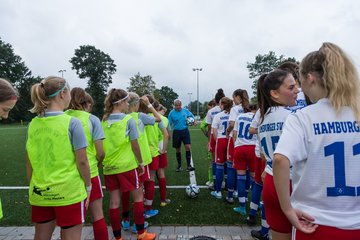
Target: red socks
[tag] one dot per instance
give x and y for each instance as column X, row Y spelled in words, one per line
column 139, row 216
column 149, row 193
column 100, row 229
column 162, row 189
column 115, row 220
column 125, row 201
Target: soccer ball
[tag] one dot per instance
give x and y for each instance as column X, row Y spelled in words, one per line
column 190, row 121
column 192, row 190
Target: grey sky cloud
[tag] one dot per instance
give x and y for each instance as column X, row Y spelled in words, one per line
column 166, row 39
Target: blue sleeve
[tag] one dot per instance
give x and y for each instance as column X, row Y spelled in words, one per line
column 188, row 113
column 161, row 125
column 76, row 134
column 147, row 119
column 170, row 118
column 132, row 130
column 97, row 131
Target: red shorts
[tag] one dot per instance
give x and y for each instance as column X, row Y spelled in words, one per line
column 65, row 216
column 244, row 157
column 146, row 175
column 221, row 150
column 259, row 167
column 212, row 144
column 163, row 160
column 274, row 215
column 154, row 165
column 126, row 181
column 230, row 150
column 96, row 189
column 325, row 233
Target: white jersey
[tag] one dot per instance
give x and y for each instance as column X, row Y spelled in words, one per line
column 211, row 114
column 269, row 133
column 255, row 124
column 324, row 149
column 300, row 102
column 220, row 123
column 242, row 126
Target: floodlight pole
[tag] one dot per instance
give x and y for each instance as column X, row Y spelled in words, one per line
column 190, row 100
column 197, row 88
column 62, row 72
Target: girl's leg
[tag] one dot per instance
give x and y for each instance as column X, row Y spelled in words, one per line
column 98, row 220
column 71, row 233
column 44, row 231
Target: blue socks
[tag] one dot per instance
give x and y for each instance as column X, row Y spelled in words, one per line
column 219, row 177
column 241, row 182
column 264, row 225
column 231, row 173
column 255, row 198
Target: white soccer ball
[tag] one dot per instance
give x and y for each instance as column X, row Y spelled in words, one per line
column 192, row 190
column 190, row 121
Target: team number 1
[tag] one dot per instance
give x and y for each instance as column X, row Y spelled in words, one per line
column 341, row 189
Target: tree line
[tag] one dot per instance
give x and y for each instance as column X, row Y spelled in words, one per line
column 97, row 68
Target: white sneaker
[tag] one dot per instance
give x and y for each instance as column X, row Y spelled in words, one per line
column 216, row 194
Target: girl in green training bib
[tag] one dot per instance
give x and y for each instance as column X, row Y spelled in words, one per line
column 57, row 166
column 123, row 163
column 95, row 153
column 8, row 98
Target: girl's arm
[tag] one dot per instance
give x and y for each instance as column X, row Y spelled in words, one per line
column 83, row 167
column 100, row 154
column 151, row 108
column 166, row 139
column 299, row 219
column 28, row 167
column 136, row 149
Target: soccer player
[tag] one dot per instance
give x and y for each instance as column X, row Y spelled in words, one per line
column 95, row 153
column 277, row 91
column 244, row 154
column 123, row 162
column 322, row 143
column 152, row 134
column 8, row 99
column 241, row 101
column 177, row 120
column 219, row 126
column 163, row 160
column 209, row 119
column 56, row 162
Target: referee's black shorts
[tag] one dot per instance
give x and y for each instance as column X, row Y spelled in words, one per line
column 181, row 136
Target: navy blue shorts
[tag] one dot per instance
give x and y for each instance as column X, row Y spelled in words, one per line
column 181, row 136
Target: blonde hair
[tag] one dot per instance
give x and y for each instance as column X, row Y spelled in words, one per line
column 43, row 92
column 337, row 74
column 134, row 99
column 7, row 91
column 114, row 96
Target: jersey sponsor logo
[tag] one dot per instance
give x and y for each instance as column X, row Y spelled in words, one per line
column 224, row 117
column 214, row 113
column 277, row 126
column 336, row 127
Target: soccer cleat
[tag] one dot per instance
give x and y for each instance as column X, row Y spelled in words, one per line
column 240, row 210
column 164, row 203
column 146, row 236
column 251, row 220
column 125, row 224
column 179, row 169
column 229, row 200
column 208, row 183
column 190, row 168
column 257, row 235
column 217, row 195
column 133, row 228
column 151, row 213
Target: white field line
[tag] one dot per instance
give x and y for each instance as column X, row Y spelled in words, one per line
column 26, row 187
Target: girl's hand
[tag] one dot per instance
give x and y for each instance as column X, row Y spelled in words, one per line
column 87, row 201
column 301, row 220
column 145, row 100
column 263, row 176
column 141, row 170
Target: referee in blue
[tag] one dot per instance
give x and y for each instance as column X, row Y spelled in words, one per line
column 177, row 120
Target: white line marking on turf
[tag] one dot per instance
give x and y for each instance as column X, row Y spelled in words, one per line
column 26, row 187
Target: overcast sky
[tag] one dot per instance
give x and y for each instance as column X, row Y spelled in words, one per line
column 166, row 39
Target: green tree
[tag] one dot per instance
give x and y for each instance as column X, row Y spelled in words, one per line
column 166, row 96
column 97, row 67
column 141, row 84
column 14, row 69
column 264, row 64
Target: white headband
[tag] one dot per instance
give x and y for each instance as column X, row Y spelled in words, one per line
column 121, row 99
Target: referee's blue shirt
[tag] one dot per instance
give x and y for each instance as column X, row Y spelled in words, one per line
column 177, row 119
